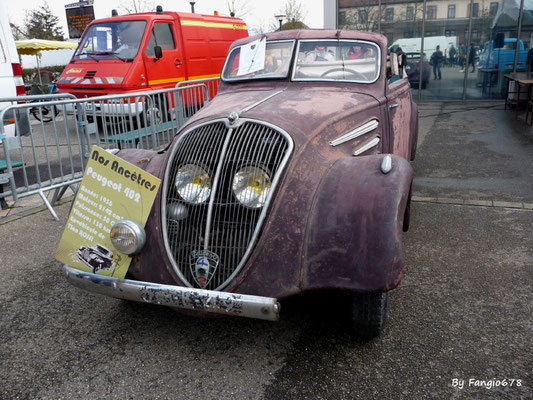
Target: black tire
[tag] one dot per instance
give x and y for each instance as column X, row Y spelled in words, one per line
column 48, row 113
column 407, row 214
column 424, row 84
column 369, row 314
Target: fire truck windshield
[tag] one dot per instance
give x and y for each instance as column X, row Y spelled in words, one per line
column 111, row 40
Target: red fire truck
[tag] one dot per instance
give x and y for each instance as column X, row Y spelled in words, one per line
column 154, row 50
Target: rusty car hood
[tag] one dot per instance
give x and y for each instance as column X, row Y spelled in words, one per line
column 304, row 114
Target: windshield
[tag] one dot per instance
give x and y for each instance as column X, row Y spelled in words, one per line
column 259, row 59
column 118, row 40
column 337, row 60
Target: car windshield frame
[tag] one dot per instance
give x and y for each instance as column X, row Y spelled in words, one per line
column 335, row 64
column 226, row 77
column 112, row 50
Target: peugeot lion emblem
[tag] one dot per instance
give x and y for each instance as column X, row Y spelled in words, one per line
column 203, row 266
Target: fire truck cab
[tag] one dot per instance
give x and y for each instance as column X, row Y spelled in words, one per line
column 145, row 51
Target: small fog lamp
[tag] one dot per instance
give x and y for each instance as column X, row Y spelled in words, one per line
column 127, row 236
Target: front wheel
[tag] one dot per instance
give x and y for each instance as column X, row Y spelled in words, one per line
column 45, row 113
column 369, row 314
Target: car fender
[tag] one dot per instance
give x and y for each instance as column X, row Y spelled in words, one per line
column 354, row 231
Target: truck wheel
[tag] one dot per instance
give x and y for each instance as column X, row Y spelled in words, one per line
column 424, row 84
column 369, row 314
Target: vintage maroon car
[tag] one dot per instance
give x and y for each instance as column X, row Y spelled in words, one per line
column 295, row 178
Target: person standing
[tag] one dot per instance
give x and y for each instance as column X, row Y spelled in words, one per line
column 462, row 56
column 436, row 59
column 472, row 57
column 452, row 55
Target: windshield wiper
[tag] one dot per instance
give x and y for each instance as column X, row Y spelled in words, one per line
column 110, row 53
column 89, row 55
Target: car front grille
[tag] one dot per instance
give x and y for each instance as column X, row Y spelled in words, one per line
column 220, row 229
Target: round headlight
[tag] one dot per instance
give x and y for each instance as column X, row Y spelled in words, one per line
column 127, row 236
column 251, row 186
column 193, row 184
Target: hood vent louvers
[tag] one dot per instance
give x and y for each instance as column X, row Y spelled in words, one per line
column 89, row 75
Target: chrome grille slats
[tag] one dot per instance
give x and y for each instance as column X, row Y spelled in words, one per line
column 221, row 225
column 244, row 138
column 189, row 236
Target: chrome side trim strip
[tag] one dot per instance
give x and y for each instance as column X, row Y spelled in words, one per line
column 240, row 305
column 367, row 146
column 365, row 128
column 260, row 102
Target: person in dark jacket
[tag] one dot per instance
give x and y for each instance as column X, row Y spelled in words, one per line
column 472, row 57
column 436, row 59
column 453, row 51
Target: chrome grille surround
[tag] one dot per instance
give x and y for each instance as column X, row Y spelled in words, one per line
column 220, row 225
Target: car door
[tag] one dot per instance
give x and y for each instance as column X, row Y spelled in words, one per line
column 400, row 114
column 167, row 71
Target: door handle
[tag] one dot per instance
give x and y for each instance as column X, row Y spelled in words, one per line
column 393, row 106
column 177, row 62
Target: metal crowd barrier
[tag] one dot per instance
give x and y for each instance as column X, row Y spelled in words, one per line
column 53, row 155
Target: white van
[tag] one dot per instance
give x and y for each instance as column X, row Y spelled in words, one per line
column 11, row 82
column 413, row 45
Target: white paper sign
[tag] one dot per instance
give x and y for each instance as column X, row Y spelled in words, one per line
column 252, row 57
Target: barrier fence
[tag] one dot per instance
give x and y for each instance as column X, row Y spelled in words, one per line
column 52, row 154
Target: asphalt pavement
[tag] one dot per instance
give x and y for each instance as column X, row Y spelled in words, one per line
column 460, row 323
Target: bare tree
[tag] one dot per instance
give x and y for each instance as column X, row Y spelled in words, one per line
column 294, row 11
column 18, row 32
column 295, row 15
column 136, row 6
column 363, row 18
column 238, row 8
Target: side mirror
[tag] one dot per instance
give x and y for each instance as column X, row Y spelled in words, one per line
column 394, row 64
column 158, row 52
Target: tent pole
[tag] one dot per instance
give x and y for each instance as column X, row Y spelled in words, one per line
column 39, row 71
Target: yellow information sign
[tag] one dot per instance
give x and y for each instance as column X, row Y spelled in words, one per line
column 111, row 189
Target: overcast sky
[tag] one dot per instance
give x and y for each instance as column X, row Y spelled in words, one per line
column 261, row 12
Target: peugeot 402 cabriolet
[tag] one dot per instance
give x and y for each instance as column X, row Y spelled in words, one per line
column 295, row 178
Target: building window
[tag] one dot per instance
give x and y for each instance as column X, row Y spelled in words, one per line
column 451, row 11
column 389, row 14
column 493, row 9
column 342, row 18
column 410, row 14
column 431, row 33
column 450, row 32
column 475, row 10
column 363, row 16
column 432, row 12
column 475, row 35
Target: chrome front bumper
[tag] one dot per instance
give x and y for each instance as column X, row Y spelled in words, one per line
column 176, row 296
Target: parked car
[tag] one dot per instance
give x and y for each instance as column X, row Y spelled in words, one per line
column 295, row 178
column 412, row 68
column 502, row 58
column 11, row 82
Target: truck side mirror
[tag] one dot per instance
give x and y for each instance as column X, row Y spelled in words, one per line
column 158, row 52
